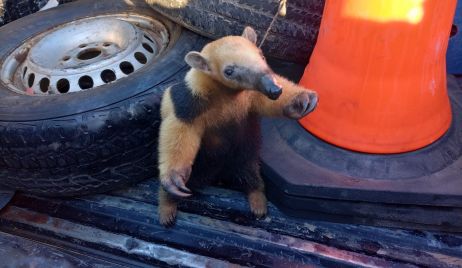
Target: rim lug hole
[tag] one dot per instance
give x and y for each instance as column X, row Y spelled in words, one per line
column 66, row 58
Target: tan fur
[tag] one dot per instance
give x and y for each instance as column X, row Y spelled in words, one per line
column 257, row 199
column 245, row 53
column 225, row 105
column 179, row 142
column 167, row 208
column 266, row 107
column 257, row 203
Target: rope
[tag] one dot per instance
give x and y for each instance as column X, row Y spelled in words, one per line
column 282, row 10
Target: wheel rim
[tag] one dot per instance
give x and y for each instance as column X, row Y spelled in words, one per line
column 84, row 54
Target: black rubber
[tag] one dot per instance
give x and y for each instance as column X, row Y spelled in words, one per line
column 2, row 13
column 11, row 10
column 91, row 141
column 292, row 37
column 394, row 167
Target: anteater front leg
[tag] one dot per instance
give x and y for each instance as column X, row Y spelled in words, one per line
column 294, row 102
column 178, row 145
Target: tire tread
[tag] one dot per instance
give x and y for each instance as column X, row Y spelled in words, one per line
column 291, row 38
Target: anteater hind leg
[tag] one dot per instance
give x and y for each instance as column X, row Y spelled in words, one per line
column 257, row 198
column 246, row 177
column 242, row 167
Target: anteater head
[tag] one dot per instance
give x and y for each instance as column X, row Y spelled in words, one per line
column 237, row 63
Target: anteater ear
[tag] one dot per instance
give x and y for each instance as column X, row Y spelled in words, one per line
column 250, row 34
column 197, row 61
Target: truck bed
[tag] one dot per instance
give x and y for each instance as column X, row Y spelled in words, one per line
column 214, row 229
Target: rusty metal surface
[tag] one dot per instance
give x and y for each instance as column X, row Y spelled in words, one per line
column 20, row 252
column 124, row 244
column 215, row 229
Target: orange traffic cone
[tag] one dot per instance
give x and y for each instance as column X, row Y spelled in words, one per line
column 380, row 70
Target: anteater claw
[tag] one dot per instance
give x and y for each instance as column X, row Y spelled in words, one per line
column 301, row 105
column 179, row 183
column 174, row 183
column 175, row 191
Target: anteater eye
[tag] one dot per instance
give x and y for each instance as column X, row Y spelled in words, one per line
column 229, row 71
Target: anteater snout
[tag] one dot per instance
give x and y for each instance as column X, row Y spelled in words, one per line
column 270, row 87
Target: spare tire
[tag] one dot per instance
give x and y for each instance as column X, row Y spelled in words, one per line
column 2, row 13
column 80, row 87
column 11, row 10
column 291, row 38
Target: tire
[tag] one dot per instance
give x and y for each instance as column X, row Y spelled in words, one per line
column 2, row 13
column 291, row 38
column 94, row 140
column 11, row 10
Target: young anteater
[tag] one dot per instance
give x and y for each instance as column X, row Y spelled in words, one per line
column 211, row 123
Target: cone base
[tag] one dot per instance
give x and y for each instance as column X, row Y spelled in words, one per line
column 310, row 178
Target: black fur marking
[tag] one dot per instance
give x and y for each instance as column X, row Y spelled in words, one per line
column 187, row 106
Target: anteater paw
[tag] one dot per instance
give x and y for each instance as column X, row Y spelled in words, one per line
column 257, row 202
column 301, row 105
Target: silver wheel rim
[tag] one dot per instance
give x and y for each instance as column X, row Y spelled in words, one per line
column 84, row 54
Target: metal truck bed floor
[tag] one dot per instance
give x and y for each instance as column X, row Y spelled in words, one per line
column 214, row 229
